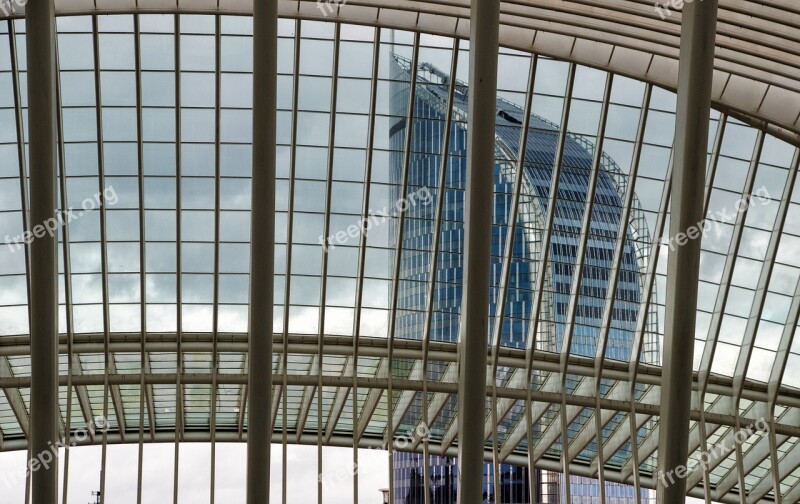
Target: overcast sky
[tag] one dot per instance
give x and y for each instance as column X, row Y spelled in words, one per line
column 194, row 486
column 195, row 466
column 194, row 471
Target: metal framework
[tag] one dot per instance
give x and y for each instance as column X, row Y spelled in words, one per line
column 153, row 332
column 755, row 68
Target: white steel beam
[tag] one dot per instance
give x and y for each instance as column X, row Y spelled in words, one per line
column 785, row 467
column 537, row 409
column 434, row 268
column 371, row 401
column 650, row 444
column 14, row 398
column 759, row 452
column 288, row 271
column 621, row 436
column 502, row 289
column 143, row 357
column 215, row 311
column 398, row 255
column 308, row 395
column 362, row 251
column 339, row 402
column 792, row 495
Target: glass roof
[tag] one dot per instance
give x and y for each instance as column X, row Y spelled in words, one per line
column 154, row 152
column 756, row 67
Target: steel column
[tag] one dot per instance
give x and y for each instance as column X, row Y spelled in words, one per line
column 474, row 327
column 287, row 284
column 262, row 247
column 217, row 212
column 143, row 356
column 179, row 412
column 695, row 70
column 44, row 422
column 66, row 258
column 362, row 254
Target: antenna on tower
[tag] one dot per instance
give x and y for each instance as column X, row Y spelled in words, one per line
column 96, row 496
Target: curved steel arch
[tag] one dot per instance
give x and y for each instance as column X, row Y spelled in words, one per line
column 756, row 69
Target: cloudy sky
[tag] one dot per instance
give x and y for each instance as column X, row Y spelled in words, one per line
column 195, row 466
column 314, row 91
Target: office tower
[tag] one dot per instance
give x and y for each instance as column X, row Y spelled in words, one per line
column 424, row 165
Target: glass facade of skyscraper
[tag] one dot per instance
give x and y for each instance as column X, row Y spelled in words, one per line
column 576, row 178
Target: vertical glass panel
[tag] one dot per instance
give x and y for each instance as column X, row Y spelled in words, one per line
column 198, row 53
column 116, row 51
column 237, row 54
column 75, row 52
column 157, row 52
column 317, row 57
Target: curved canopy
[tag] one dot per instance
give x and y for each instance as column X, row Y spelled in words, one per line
column 756, row 67
column 154, row 141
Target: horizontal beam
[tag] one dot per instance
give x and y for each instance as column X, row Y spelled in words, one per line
column 607, row 36
column 381, row 383
column 14, row 399
column 377, row 347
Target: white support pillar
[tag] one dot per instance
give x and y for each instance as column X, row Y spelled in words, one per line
column 262, row 247
column 41, row 53
column 473, row 331
column 698, row 30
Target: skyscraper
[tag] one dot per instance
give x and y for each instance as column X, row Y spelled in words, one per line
column 430, row 107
